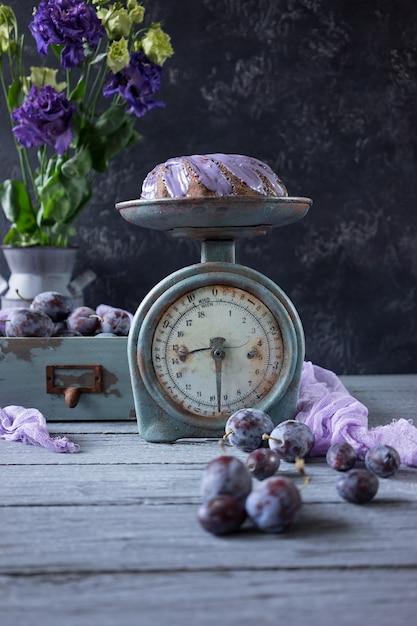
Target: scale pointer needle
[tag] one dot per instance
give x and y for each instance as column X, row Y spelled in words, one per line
column 217, row 353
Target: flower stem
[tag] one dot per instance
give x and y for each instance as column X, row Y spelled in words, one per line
column 97, row 86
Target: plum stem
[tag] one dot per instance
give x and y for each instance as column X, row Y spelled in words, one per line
column 227, row 435
column 266, row 436
column 300, row 466
column 19, row 295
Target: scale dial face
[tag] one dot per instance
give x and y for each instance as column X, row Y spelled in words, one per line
column 215, row 349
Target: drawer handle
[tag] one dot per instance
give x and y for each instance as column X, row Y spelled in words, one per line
column 71, row 380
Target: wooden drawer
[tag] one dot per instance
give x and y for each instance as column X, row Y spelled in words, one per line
column 71, row 378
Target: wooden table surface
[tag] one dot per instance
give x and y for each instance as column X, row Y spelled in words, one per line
column 108, row 536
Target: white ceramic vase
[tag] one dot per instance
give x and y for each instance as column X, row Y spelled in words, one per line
column 35, row 269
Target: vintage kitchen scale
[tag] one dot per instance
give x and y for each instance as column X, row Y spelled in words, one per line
column 215, row 336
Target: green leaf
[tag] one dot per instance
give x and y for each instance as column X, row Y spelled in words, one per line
column 56, row 49
column 78, row 92
column 63, row 198
column 98, row 156
column 119, row 140
column 62, row 234
column 77, row 166
column 17, row 205
column 52, row 165
column 99, row 58
column 12, row 237
column 109, row 121
column 21, row 240
column 94, row 142
column 13, row 94
column 134, row 138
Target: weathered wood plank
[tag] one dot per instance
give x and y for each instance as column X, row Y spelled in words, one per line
column 387, row 397
column 243, row 598
column 169, row 483
column 166, row 537
column 109, row 449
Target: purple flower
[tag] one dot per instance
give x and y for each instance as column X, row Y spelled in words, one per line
column 136, row 83
column 70, row 23
column 44, row 119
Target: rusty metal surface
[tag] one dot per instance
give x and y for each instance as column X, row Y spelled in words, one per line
column 165, row 416
column 73, row 380
column 238, row 213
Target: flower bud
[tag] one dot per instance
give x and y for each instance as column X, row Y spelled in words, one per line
column 156, row 44
column 117, row 22
column 136, row 12
column 40, row 76
column 117, row 55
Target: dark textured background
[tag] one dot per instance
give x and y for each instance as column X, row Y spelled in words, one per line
column 325, row 92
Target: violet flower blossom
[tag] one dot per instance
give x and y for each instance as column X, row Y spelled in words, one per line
column 44, row 118
column 70, row 23
column 136, row 83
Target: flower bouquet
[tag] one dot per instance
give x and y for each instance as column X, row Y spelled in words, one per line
column 69, row 121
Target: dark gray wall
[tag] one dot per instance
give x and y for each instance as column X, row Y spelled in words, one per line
column 325, row 92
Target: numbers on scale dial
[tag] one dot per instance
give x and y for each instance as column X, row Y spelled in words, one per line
column 216, row 349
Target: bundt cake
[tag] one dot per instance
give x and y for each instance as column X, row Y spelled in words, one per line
column 211, row 175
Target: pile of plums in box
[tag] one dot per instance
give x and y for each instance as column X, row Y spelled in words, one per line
column 52, row 314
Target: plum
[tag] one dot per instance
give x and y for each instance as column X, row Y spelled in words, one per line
column 26, row 322
column 83, row 320
column 54, row 304
column 116, row 321
column 4, row 316
column 244, row 429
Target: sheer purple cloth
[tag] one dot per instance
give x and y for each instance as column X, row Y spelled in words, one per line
column 334, row 415
column 29, row 426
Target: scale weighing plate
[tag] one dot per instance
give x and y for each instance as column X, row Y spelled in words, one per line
column 215, row 336
column 221, row 217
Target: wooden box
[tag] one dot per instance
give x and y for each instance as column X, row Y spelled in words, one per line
column 71, row 378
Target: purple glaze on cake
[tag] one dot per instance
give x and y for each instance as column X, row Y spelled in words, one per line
column 243, row 167
column 149, row 184
column 177, row 179
column 210, row 174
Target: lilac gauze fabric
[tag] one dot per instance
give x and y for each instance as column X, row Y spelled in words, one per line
column 333, row 415
column 29, row 425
